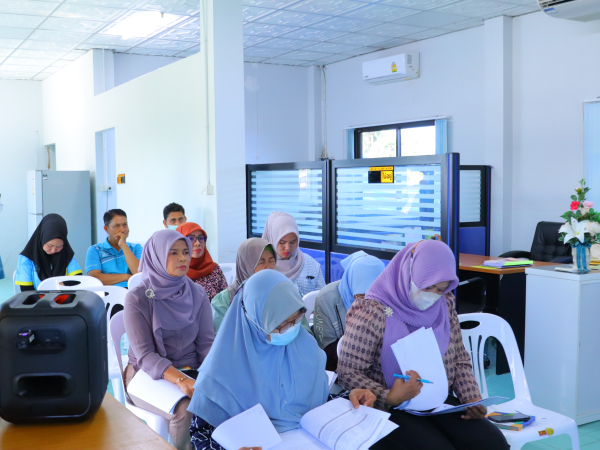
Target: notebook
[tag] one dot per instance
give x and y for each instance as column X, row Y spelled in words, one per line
column 504, row 263
column 161, row 394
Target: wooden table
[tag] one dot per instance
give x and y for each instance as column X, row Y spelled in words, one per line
column 470, row 263
column 112, row 427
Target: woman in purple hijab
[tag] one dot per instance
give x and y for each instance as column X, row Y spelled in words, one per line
column 168, row 320
column 415, row 291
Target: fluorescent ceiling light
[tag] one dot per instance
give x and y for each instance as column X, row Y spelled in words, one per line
column 142, row 24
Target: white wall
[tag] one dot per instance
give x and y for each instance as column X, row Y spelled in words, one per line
column 21, row 149
column 277, row 115
column 129, row 67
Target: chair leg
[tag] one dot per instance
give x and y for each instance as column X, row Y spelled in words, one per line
column 574, row 438
column 118, row 390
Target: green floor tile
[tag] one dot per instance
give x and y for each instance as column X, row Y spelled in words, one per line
column 563, row 442
column 589, row 428
column 536, row 445
column 593, row 446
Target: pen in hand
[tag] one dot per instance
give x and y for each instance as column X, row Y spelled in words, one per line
column 406, row 377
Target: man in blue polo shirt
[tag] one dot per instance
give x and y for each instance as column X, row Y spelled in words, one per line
column 114, row 260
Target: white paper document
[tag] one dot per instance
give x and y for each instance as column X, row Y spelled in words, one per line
column 331, row 377
column 447, row 409
column 161, row 394
column 252, row 428
column 419, row 351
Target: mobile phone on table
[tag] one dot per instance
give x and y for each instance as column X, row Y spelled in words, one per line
column 517, row 417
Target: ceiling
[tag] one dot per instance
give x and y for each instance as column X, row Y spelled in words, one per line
column 37, row 38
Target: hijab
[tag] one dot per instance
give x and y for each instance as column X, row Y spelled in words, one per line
column 199, row 267
column 432, row 262
column 243, row 369
column 174, row 301
column 248, row 255
column 360, row 271
column 280, row 224
column 51, row 227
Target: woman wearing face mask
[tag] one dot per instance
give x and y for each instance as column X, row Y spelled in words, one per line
column 262, row 355
column 47, row 254
column 203, row 270
column 414, row 291
column 281, row 230
column 253, row 255
column 169, row 326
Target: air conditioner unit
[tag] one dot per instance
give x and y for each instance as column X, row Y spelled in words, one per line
column 391, row 69
column 581, row 10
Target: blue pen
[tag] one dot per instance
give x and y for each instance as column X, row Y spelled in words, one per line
column 405, row 377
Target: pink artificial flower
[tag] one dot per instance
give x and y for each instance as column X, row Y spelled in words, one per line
column 588, row 204
column 574, row 206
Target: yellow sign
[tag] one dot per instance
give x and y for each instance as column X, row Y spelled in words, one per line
column 394, row 67
column 387, row 177
column 381, row 174
column 381, row 169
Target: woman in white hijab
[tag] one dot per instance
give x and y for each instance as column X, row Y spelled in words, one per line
column 281, row 230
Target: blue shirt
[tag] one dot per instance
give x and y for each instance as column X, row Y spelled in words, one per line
column 106, row 259
column 310, row 278
column 27, row 272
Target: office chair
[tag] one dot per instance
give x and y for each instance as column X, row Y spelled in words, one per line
column 546, row 246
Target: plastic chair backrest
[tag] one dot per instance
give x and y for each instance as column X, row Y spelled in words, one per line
column 482, row 327
column 16, row 288
column 134, row 280
column 113, row 296
column 309, row 301
column 229, row 271
column 117, row 330
column 82, row 281
column 339, row 346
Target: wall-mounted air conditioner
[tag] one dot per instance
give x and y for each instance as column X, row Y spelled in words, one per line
column 581, row 10
column 391, row 69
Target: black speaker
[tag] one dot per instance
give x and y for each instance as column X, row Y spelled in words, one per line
column 53, row 356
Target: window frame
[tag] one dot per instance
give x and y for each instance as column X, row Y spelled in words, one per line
column 398, row 127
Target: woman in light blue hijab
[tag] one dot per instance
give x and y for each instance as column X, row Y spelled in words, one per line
column 262, row 355
column 335, row 299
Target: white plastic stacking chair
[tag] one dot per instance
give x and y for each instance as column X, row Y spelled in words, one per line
column 134, row 280
column 489, row 325
column 229, row 271
column 159, row 424
column 309, row 301
column 83, row 281
column 339, row 346
column 15, row 285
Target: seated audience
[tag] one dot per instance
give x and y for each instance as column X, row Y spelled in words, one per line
column 253, row 255
column 174, row 215
column 414, row 291
column 115, row 260
column 334, row 300
column 169, row 326
column 262, row 355
column 47, row 254
column 281, row 230
column 203, row 270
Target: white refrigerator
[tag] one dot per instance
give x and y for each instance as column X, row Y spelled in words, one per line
column 68, row 194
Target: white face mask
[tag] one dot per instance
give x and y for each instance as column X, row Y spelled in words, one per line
column 421, row 299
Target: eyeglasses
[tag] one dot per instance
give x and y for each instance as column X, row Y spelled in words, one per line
column 201, row 239
column 290, row 323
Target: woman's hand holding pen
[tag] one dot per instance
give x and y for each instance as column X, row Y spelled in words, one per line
column 404, row 390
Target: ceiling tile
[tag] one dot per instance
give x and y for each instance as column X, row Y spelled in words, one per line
column 253, row 59
column 10, row 43
column 34, row 8
column 59, row 36
column 523, row 2
column 265, row 29
column 113, row 40
column 292, row 18
column 381, row 13
column 362, row 51
column 41, row 76
column 186, row 7
column 289, row 44
column 418, row 4
column 345, row 24
column 264, row 52
column 47, row 45
column 5, row 51
column 282, row 61
column 310, row 63
column 74, row 11
column 34, row 54
column 28, row 62
column 430, row 19
column 331, row 59
column 192, row 24
column 433, row 32
column 149, row 52
column 520, row 10
column 395, row 42
column 389, row 30
column 108, row 3
column 14, row 33
column 303, row 55
column 311, row 34
column 16, row 75
column 60, row 63
column 469, row 23
column 327, row 7
column 160, row 44
column 330, row 47
column 179, row 34
column 274, row 4
column 360, row 39
column 185, row 54
column 62, row 24
column 115, row 48
column 73, row 55
column 252, row 13
column 474, row 8
column 20, row 20
column 252, row 40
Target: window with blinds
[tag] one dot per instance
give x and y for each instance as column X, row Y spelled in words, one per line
column 295, row 191
column 388, row 216
column 470, row 196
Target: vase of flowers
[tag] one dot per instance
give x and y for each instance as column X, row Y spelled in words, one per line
column 581, row 228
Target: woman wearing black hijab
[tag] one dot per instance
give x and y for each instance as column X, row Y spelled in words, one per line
column 47, row 254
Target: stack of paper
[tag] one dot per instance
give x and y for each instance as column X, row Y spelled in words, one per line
column 161, row 394
column 504, row 263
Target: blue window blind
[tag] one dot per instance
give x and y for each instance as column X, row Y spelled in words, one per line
column 470, row 196
column 297, row 192
column 388, row 216
column 591, row 150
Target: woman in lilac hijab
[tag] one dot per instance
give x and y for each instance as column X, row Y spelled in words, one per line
column 168, row 320
column 415, row 291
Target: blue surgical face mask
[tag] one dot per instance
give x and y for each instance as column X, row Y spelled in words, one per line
column 285, row 338
column 173, row 227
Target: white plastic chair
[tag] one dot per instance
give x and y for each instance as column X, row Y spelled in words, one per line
column 309, row 301
column 135, row 279
column 229, row 271
column 159, row 424
column 83, row 281
column 15, row 286
column 474, row 340
column 339, row 346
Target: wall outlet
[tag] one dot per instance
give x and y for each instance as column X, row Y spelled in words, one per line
column 106, row 188
column 207, row 189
